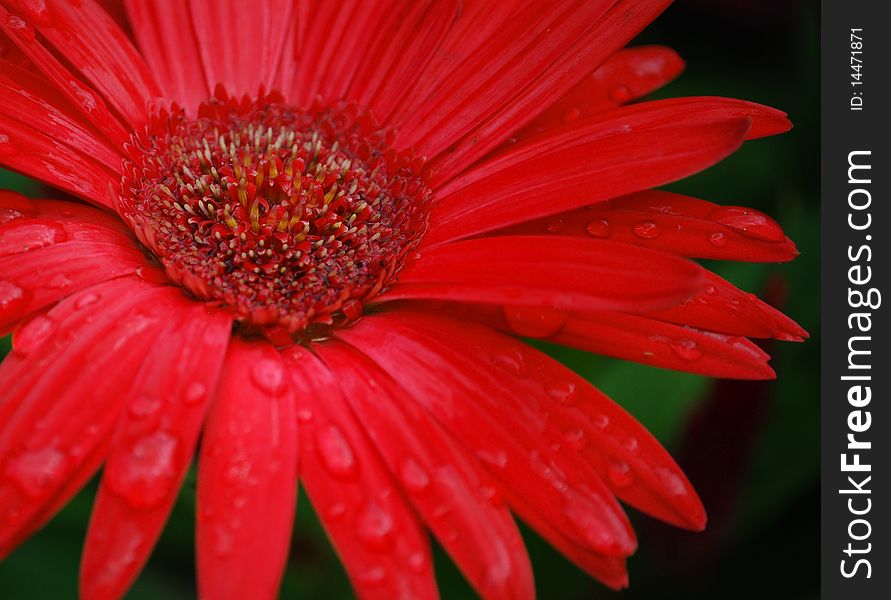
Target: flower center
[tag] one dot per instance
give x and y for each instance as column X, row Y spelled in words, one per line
column 290, row 218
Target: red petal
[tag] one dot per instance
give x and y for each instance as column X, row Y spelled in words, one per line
column 62, row 397
column 540, row 179
column 401, row 49
column 568, row 273
column 241, row 48
column 458, row 503
column 351, row 488
column 723, row 307
column 247, row 477
column 477, row 403
column 90, row 40
column 630, row 74
column 673, row 223
column 38, row 278
column 543, row 58
column 167, row 40
column 67, row 82
column 152, row 448
column 33, row 102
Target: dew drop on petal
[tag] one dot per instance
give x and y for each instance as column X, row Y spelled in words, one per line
column 12, row 298
column 565, row 392
column 38, row 12
column 304, row 415
column 620, row 94
column 530, row 321
column 37, row 471
column 493, row 458
column 144, row 475
column 631, row 444
column 686, row 349
column 512, row 362
column 647, row 230
column 375, row 528
column 336, row 512
column 35, row 235
column 144, row 405
column 195, row 393
column 576, row 439
column 336, row 453
column 269, row 376
column 86, row 300
column 417, row 563
column 599, row 228
column 718, row 239
column 58, row 281
column 600, row 421
column 372, row 577
column 620, row 474
column 414, row 477
column 751, row 223
column 33, row 335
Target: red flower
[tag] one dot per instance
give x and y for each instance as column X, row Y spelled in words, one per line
column 459, row 175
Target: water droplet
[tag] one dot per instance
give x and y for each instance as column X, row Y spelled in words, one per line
column 511, row 362
column 12, row 298
column 414, row 477
column 530, row 321
column 373, row 577
column 571, row 114
column 621, row 94
column 335, row 452
column 7, row 215
column 21, row 25
column 494, row 458
column 85, row 97
column 336, row 512
column 576, row 439
column 751, row 223
column 304, row 415
column 38, row 12
column 36, row 472
column 33, row 236
column 417, row 562
column 144, row 405
column 33, row 335
column 686, row 349
column 620, row 474
column 710, row 290
column 223, row 541
column 86, row 300
column 268, row 375
column 718, row 239
column 375, row 528
column 631, row 444
column 564, row 392
column 555, row 226
column 58, row 281
column 600, row 421
column 146, row 474
column 195, row 393
column 647, row 230
column 599, row 228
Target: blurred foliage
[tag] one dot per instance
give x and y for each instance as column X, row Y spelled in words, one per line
column 769, row 55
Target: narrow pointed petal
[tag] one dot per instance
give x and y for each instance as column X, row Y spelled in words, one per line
column 228, row 31
column 247, row 477
column 568, row 273
column 629, row 74
column 673, row 223
column 569, row 47
column 475, row 401
column 537, row 180
column 401, row 50
column 152, row 448
column 90, row 41
column 461, row 507
column 31, row 101
column 42, row 276
column 87, row 101
column 353, row 492
column 62, row 398
column 167, row 41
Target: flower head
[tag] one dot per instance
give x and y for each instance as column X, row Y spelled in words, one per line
column 310, row 234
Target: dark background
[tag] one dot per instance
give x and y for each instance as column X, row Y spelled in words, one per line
column 750, row 448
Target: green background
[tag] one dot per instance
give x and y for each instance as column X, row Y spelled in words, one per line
column 751, row 449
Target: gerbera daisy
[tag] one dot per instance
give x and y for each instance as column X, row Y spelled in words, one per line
column 311, row 233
